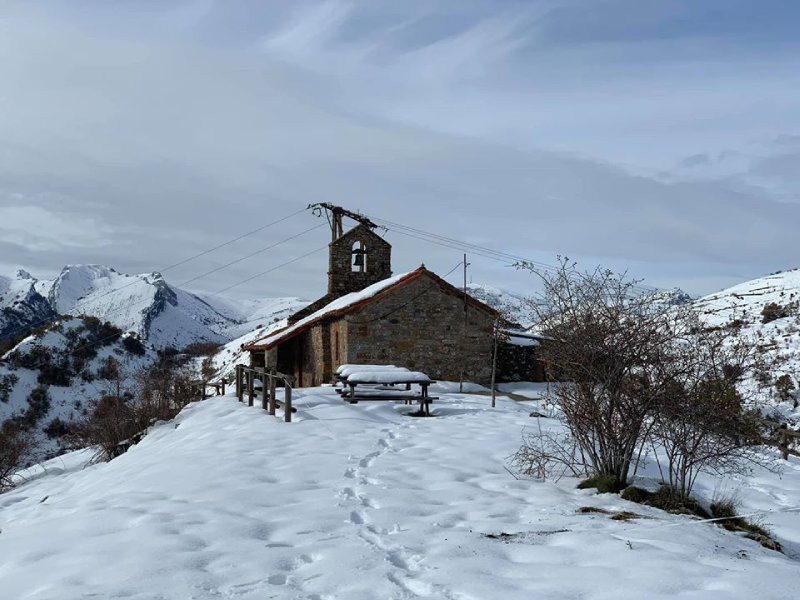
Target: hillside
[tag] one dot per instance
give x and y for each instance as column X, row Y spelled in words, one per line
column 361, row 502
column 56, row 373
column 511, row 305
column 22, row 307
column 764, row 312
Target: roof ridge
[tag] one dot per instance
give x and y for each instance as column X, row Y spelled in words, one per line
column 325, row 312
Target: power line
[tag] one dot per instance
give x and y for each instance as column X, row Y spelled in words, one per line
column 484, row 251
column 136, row 280
column 231, row 241
column 252, row 254
column 275, row 268
column 117, row 336
column 451, row 271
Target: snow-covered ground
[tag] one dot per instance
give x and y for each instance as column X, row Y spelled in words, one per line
column 362, row 502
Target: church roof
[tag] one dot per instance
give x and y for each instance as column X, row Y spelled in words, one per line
column 353, row 301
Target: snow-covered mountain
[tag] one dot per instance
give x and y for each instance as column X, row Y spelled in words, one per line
column 146, row 304
column 91, row 313
column 22, row 307
column 157, row 312
column 511, row 305
column 764, row 311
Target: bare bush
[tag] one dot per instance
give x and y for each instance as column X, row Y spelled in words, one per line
column 16, row 446
column 604, row 340
column 122, row 416
column 701, row 423
column 547, row 454
column 638, row 373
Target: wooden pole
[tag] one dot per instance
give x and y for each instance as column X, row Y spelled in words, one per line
column 264, row 390
column 223, row 382
column 287, row 402
column 272, row 386
column 494, row 367
column 250, row 387
column 239, row 383
column 464, row 340
column 783, row 443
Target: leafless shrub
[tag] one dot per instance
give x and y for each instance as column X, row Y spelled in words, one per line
column 701, row 422
column 16, row 445
column 122, row 415
column 605, row 338
column 549, row 455
column 639, row 373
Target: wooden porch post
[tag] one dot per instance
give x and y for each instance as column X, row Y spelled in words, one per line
column 287, row 402
column 272, row 386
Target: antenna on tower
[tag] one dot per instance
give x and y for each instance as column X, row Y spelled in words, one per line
column 334, row 214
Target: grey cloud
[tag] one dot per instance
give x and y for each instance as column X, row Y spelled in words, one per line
column 170, row 147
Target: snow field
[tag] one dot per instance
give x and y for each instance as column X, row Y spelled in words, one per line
column 361, row 502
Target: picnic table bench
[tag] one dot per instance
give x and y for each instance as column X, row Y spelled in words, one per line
column 380, row 382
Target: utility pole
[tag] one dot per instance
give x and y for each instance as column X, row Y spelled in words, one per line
column 464, row 337
column 494, row 364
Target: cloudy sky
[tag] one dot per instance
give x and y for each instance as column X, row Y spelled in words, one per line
column 659, row 137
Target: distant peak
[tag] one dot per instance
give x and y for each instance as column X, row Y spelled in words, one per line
column 23, row 274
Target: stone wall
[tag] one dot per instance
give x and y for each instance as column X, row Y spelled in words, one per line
column 420, row 326
column 518, row 363
column 341, row 277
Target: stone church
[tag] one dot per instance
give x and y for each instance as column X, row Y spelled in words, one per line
column 416, row 320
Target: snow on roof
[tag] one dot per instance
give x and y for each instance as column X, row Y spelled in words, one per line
column 339, row 304
column 348, row 301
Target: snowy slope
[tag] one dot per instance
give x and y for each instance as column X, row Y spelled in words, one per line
column 738, row 309
column 229, row 355
column 360, row 502
column 21, row 306
column 511, row 305
column 249, row 314
column 23, row 366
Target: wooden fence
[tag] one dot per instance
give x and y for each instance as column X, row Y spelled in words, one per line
column 200, row 388
column 269, row 378
column 785, row 438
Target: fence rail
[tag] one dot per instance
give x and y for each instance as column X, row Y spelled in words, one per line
column 200, row 388
column 245, row 385
column 785, row 438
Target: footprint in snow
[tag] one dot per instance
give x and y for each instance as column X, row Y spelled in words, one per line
column 357, row 517
column 368, row 459
column 279, row 579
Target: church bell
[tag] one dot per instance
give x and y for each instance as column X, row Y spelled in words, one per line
column 358, row 260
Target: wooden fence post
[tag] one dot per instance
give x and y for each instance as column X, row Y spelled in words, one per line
column 272, row 386
column 223, row 381
column 239, row 386
column 287, row 402
column 251, row 387
column 264, row 389
column 783, row 443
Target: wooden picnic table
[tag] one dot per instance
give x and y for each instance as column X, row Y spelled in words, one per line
column 382, row 384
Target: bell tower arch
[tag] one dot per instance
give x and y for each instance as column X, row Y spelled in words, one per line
column 357, row 259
